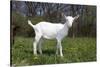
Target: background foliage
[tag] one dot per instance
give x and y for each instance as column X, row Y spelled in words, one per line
column 51, row 12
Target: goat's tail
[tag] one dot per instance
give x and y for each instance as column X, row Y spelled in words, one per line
column 30, row 23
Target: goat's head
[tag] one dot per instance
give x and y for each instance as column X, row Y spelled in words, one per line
column 70, row 19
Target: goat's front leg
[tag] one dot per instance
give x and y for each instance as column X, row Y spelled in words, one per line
column 60, row 47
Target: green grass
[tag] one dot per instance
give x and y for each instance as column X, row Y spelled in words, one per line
column 81, row 49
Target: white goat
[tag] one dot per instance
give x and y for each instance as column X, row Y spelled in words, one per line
column 51, row 31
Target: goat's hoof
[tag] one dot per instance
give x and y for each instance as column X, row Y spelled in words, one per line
column 56, row 53
column 62, row 56
column 35, row 54
column 40, row 52
column 35, row 57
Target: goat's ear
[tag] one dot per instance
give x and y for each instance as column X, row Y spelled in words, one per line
column 76, row 17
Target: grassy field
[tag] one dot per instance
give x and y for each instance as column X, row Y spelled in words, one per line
column 81, row 49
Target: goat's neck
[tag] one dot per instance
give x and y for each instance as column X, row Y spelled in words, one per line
column 66, row 27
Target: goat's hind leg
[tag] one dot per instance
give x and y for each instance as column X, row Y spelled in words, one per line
column 40, row 45
column 37, row 38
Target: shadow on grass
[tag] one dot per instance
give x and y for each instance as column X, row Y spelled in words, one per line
column 49, row 52
column 44, row 52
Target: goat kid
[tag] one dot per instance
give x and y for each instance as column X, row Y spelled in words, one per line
column 49, row 30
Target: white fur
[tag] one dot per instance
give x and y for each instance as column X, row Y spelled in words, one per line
column 51, row 31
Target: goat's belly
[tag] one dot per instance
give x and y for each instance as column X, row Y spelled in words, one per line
column 49, row 36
